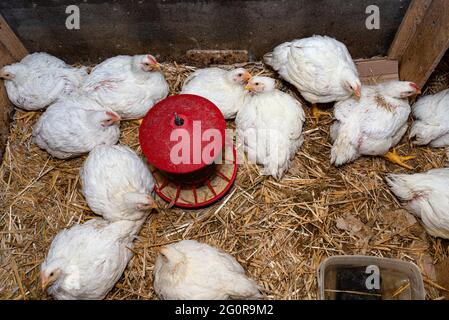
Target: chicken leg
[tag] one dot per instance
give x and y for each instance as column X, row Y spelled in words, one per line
column 395, row 158
column 317, row 113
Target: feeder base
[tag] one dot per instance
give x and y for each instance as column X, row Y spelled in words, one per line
column 196, row 196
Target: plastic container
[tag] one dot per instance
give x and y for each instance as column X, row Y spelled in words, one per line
column 369, row 278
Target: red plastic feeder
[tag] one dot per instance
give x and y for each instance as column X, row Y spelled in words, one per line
column 193, row 163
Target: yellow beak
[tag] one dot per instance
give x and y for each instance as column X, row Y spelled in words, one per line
column 247, row 76
column 44, row 283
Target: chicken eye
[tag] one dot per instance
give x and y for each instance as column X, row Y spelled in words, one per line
column 257, row 83
column 51, row 274
column 240, row 74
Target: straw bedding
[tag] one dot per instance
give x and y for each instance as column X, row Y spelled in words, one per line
column 279, row 231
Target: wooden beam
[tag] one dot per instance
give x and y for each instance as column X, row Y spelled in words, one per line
column 11, row 50
column 10, row 41
column 428, row 44
column 6, row 107
column 376, row 70
column 407, row 30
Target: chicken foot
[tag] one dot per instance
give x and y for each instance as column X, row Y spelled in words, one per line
column 317, row 112
column 393, row 157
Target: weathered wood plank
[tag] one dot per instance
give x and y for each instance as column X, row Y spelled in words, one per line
column 376, row 70
column 428, row 45
column 6, row 107
column 407, row 30
column 170, row 28
column 11, row 50
column 10, row 41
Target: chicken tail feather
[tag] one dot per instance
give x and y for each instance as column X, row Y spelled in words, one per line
column 268, row 58
column 245, row 289
column 424, row 133
column 343, row 150
column 401, row 186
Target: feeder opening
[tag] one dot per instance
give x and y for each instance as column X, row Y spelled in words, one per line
column 178, row 120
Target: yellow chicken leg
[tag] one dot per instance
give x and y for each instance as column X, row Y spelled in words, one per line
column 317, row 113
column 395, row 158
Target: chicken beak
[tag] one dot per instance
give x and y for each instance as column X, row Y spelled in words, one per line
column 248, row 87
column 247, row 76
column 3, row 75
column 357, row 93
column 156, row 67
column 418, row 91
column 45, row 282
column 153, row 204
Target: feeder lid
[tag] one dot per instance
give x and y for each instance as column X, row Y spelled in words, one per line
column 181, row 151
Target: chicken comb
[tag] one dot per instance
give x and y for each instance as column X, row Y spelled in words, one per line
column 114, row 116
column 152, row 59
column 415, row 86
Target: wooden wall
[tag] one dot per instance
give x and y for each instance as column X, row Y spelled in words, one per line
column 11, row 50
column 169, row 28
column 422, row 39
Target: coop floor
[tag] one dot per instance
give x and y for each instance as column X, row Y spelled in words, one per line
column 279, row 231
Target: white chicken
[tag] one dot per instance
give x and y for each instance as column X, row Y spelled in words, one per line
column 189, row 270
column 426, row 195
column 75, row 125
column 39, row 80
column 270, row 126
column 432, row 120
column 129, row 85
column 117, row 184
column 320, row 67
column 224, row 88
column 373, row 124
column 85, row 261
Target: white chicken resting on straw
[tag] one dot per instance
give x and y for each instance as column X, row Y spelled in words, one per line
column 270, row 126
column 75, row 125
column 129, row 85
column 432, row 120
column 117, row 184
column 224, row 88
column 373, row 124
column 85, row 261
column 426, row 195
column 320, row 67
column 39, row 80
column 189, row 270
